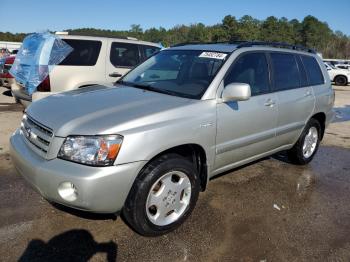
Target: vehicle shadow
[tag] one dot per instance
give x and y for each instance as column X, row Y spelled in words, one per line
column 72, row 245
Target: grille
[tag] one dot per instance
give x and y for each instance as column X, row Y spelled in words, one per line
column 37, row 136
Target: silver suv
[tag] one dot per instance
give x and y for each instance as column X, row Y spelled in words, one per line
column 148, row 146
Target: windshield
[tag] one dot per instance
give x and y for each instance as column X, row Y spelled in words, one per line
column 185, row 73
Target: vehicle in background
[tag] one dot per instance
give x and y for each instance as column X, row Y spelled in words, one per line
column 336, row 61
column 337, row 75
column 148, row 146
column 342, row 66
column 94, row 60
column 4, row 52
column 6, row 78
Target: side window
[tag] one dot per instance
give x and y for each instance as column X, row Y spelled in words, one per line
column 149, row 50
column 302, row 72
column 313, row 70
column 85, row 52
column 285, row 71
column 124, row 55
column 252, row 69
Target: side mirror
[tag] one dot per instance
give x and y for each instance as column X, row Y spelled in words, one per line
column 236, row 92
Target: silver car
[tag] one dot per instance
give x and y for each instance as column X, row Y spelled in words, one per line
column 149, row 145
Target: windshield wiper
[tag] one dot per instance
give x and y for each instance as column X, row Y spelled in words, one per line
column 149, row 87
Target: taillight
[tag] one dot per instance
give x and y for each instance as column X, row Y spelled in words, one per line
column 44, row 85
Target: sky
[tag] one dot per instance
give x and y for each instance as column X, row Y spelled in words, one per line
column 40, row 15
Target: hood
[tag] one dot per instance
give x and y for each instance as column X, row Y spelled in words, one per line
column 102, row 110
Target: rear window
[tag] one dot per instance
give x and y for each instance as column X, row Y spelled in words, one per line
column 313, row 70
column 85, row 52
column 285, row 71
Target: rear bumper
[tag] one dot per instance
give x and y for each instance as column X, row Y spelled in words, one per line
column 19, row 94
column 99, row 189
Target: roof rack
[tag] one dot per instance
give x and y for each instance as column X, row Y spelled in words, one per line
column 277, row 44
column 241, row 44
column 208, row 43
column 94, row 35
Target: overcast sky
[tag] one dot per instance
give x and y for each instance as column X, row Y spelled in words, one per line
column 39, row 15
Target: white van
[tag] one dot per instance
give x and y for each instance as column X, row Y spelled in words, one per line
column 94, row 60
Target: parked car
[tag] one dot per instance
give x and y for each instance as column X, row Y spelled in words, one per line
column 6, row 78
column 94, row 60
column 343, row 66
column 337, row 75
column 149, row 145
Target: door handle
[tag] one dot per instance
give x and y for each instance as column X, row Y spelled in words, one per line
column 269, row 102
column 308, row 93
column 115, row 74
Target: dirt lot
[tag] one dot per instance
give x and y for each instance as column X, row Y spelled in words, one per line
column 235, row 219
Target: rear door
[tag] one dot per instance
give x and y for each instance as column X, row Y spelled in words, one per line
column 295, row 97
column 246, row 128
column 85, row 65
column 121, row 58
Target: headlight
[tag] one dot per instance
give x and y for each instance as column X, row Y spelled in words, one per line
column 91, row 150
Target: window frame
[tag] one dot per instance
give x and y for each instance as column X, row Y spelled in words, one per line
column 270, row 89
column 127, row 67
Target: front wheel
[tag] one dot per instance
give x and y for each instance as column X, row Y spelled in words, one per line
column 307, row 145
column 163, row 195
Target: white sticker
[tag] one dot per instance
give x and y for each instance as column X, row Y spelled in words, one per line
column 214, row 55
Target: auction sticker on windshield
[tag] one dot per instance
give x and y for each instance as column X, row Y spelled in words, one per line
column 214, row 55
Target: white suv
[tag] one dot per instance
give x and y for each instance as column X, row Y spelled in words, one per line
column 94, row 60
column 337, row 75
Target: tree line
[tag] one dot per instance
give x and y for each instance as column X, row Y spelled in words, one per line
column 309, row 32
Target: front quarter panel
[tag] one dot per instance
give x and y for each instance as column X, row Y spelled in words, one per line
column 192, row 124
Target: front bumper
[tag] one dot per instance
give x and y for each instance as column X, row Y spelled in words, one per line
column 99, row 189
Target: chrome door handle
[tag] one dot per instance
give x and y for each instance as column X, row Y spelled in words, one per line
column 269, row 102
column 115, row 74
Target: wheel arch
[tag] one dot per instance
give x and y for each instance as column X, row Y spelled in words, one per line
column 195, row 153
column 341, row 75
column 321, row 118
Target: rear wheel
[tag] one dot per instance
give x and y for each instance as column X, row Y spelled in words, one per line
column 307, row 145
column 163, row 195
column 341, row 81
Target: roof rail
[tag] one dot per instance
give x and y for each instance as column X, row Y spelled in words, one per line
column 95, row 35
column 241, row 44
column 209, row 43
column 276, row 44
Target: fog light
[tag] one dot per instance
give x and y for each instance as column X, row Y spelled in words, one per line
column 68, row 191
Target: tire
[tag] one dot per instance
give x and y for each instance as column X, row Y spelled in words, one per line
column 341, row 80
column 159, row 182
column 298, row 154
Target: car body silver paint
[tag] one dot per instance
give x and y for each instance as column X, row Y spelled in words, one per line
column 231, row 133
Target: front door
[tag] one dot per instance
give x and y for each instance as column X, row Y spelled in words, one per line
column 246, row 128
